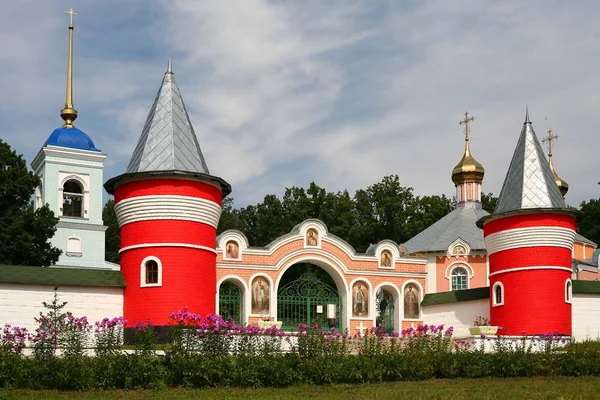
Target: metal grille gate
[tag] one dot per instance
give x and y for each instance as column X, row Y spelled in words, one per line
column 305, row 300
column 230, row 302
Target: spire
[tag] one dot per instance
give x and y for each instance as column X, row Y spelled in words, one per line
column 563, row 186
column 529, row 182
column 169, row 65
column 168, row 141
column 468, row 168
column 527, row 121
column 69, row 114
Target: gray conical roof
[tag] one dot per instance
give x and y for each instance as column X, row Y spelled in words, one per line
column 168, row 141
column 529, row 182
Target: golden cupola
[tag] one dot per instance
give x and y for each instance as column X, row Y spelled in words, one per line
column 563, row 186
column 468, row 168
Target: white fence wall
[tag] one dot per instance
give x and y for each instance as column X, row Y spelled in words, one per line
column 586, row 316
column 21, row 303
column 460, row 315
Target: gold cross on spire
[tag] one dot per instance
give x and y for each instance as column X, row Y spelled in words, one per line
column 71, row 13
column 466, row 122
column 549, row 139
column 69, row 114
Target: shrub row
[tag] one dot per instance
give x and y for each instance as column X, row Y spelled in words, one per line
column 135, row 371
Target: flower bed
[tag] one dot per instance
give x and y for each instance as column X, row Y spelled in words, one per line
column 209, row 351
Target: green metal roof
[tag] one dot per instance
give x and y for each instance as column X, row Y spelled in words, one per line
column 484, row 293
column 60, row 276
column 456, row 296
column 586, row 286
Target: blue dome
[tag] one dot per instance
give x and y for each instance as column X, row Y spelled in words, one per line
column 72, row 138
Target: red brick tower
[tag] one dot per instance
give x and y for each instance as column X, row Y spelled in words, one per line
column 168, row 207
column 529, row 239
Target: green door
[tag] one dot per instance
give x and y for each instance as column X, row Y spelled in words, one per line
column 306, row 300
column 230, row 302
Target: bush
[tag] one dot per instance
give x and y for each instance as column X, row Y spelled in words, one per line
column 141, row 371
column 210, row 351
column 109, row 336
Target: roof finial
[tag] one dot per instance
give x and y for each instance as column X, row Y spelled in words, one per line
column 563, row 186
column 468, row 168
column 549, row 139
column 69, row 114
column 527, row 121
column 466, row 122
column 169, row 65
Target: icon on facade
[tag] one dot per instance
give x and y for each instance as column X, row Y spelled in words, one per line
column 260, row 296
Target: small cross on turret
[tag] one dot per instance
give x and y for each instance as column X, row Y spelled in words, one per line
column 549, row 139
column 71, row 13
column 466, row 123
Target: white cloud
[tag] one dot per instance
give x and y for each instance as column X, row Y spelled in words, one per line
column 362, row 90
column 284, row 92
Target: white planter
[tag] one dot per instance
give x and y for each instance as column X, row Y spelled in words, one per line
column 483, row 330
column 269, row 324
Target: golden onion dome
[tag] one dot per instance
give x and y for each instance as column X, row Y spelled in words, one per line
column 563, row 186
column 468, row 168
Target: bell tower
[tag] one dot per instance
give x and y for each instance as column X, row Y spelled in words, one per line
column 71, row 171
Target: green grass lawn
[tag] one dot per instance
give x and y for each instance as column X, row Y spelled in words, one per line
column 516, row 388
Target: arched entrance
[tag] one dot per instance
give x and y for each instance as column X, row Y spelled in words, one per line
column 231, row 302
column 384, row 306
column 307, row 294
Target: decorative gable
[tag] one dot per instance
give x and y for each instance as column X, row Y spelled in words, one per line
column 458, row 248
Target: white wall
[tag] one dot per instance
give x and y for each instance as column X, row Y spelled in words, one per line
column 586, row 316
column 21, row 303
column 460, row 315
column 431, row 277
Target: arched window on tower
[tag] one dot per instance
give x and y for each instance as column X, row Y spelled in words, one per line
column 498, row 294
column 151, row 272
column 460, row 279
column 568, row 291
column 72, row 199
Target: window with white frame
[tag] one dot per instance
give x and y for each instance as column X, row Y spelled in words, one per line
column 151, row 272
column 39, row 200
column 498, row 294
column 568, row 291
column 460, row 279
column 72, row 199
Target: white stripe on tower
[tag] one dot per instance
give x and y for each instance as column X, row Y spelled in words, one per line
column 537, row 236
column 157, row 207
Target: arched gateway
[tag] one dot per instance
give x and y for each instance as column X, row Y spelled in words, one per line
column 308, row 296
column 311, row 276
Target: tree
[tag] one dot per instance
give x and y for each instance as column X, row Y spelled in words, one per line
column 589, row 220
column 384, row 210
column 488, row 202
column 50, row 327
column 112, row 237
column 426, row 211
column 24, row 231
column 230, row 218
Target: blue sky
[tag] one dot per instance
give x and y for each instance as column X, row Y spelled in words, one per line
column 340, row 92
